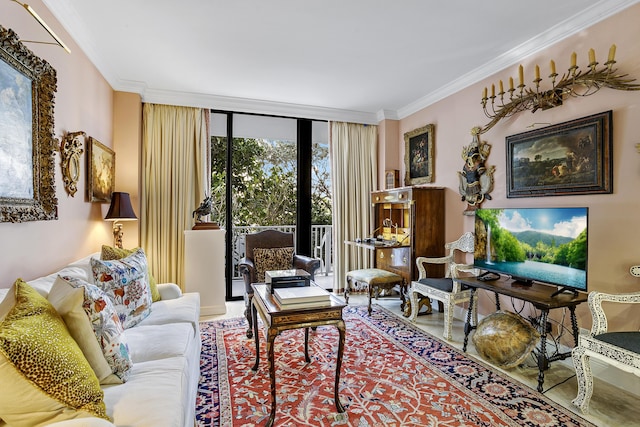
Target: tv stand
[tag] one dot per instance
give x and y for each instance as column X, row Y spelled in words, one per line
column 565, row 289
column 538, row 295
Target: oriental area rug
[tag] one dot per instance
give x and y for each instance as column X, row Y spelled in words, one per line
column 393, row 375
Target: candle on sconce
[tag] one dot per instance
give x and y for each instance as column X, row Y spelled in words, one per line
column 537, row 72
column 510, row 83
column 484, row 93
column 501, row 87
column 552, row 65
column 521, row 75
column 493, row 91
column 612, row 52
column 574, row 58
column 592, row 56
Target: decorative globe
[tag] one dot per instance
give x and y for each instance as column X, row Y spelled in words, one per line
column 505, row 339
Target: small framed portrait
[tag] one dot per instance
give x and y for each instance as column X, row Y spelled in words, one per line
column 101, row 171
column 418, row 155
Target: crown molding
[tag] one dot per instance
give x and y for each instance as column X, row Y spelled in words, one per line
column 73, row 24
column 575, row 24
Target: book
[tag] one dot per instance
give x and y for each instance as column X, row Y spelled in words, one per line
column 298, row 295
column 285, row 275
column 301, row 305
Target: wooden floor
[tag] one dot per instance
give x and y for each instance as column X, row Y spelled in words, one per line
column 610, row 406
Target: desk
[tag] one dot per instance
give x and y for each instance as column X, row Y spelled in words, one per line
column 539, row 295
column 277, row 320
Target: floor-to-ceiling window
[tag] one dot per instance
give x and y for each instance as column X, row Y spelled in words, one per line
column 266, row 172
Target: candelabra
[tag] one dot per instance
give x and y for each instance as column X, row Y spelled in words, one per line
column 574, row 83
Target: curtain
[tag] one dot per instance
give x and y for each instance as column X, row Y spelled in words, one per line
column 175, row 144
column 354, row 169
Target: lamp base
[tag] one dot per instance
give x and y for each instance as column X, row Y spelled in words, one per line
column 117, row 235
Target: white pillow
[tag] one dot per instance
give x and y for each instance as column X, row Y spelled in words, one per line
column 126, row 282
column 93, row 323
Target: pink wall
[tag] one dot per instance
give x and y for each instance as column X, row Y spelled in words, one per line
column 83, row 101
column 613, row 228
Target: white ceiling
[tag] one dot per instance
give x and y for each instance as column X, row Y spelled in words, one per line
column 350, row 60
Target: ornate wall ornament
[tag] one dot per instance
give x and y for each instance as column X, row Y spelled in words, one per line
column 476, row 180
column 27, row 186
column 70, row 151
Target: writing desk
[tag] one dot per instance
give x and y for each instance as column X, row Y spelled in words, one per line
column 539, row 295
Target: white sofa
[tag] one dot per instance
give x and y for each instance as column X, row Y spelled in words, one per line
column 165, row 351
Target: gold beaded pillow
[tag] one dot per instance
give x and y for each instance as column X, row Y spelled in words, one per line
column 44, row 375
column 110, row 253
column 271, row 259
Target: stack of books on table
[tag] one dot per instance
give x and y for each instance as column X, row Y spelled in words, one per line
column 301, row 297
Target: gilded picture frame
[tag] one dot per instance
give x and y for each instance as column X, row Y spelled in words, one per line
column 101, row 171
column 569, row 158
column 27, row 143
column 418, row 155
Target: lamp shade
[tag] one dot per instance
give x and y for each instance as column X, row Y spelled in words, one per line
column 120, row 208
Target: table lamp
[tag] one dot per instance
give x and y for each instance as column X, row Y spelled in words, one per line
column 120, row 210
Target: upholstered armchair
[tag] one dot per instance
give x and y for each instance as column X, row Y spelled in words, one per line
column 446, row 290
column 618, row 349
column 269, row 250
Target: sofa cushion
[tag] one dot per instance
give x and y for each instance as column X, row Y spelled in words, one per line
column 160, row 341
column 266, row 259
column 44, row 375
column 110, row 253
column 185, row 309
column 94, row 324
column 126, row 282
column 159, row 393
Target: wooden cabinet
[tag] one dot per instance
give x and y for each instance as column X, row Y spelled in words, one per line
column 409, row 222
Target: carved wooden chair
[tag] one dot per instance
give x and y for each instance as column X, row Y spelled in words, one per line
column 446, row 290
column 619, row 349
column 249, row 266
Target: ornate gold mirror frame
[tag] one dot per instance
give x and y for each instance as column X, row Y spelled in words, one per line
column 27, row 144
column 70, row 151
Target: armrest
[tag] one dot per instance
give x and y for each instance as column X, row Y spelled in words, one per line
column 169, row 291
column 421, row 260
column 598, row 315
column 247, row 269
column 306, row 263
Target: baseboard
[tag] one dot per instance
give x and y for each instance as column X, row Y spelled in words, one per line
column 600, row 370
column 213, row 309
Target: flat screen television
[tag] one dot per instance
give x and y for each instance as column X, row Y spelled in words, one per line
column 547, row 245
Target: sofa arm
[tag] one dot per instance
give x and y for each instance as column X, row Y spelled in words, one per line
column 169, row 291
column 306, row 263
column 83, row 422
column 247, row 270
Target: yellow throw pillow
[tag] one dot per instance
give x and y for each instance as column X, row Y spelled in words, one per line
column 110, row 253
column 44, row 375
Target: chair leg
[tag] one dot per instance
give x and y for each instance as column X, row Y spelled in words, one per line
column 448, row 319
column 346, row 290
column 248, row 314
column 370, row 292
column 584, row 378
column 414, row 305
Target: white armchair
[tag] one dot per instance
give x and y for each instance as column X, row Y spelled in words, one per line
column 619, row 349
column 448, row 291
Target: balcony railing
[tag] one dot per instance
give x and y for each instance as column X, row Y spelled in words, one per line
column 321, row 244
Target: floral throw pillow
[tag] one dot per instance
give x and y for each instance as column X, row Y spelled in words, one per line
column 271, row 259
column 126, row 282
column 94, row 324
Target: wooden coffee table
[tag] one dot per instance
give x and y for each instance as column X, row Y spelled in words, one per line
column 276, row 320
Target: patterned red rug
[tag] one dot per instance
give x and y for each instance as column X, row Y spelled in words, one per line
column 393, row 375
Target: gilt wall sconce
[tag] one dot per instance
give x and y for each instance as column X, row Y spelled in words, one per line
column 574, row 83
column 70, row 151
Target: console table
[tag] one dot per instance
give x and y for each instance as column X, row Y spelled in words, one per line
column 539, row 295
column 277, row 320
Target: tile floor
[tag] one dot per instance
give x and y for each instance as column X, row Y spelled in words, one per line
column 610, row 406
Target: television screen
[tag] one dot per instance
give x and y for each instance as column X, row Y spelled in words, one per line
column 543, row 244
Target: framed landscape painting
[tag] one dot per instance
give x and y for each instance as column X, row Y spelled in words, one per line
column 568, row 158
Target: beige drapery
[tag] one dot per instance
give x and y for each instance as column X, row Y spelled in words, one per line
column 175, row 143
column 354, row 168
